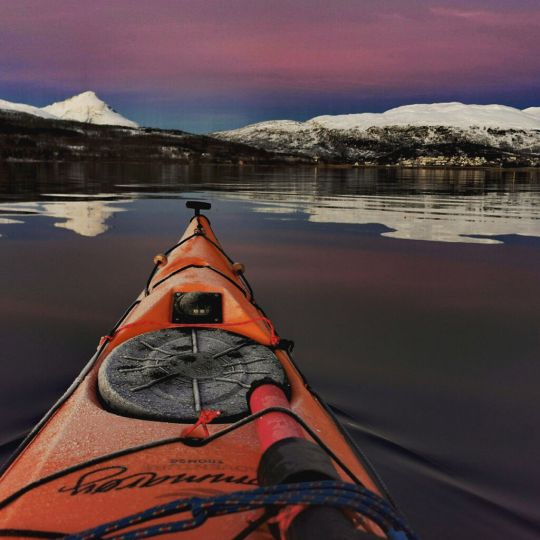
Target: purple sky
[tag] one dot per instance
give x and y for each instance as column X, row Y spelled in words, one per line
column 201, row 65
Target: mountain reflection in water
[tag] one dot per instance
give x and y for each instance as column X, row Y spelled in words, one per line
column 86, row 218
column 426, row 217
column 424, row 340
column 437, row 205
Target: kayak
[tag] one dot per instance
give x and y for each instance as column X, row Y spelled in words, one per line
column 192, row 421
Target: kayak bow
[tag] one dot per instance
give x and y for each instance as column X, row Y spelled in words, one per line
column 192, row 409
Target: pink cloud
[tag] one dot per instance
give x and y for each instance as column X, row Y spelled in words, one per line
column 486, row 17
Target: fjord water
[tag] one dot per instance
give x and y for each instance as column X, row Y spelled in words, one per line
column 412, row 296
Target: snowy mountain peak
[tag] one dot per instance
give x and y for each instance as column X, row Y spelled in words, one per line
column 87, row 94
column 87, row 107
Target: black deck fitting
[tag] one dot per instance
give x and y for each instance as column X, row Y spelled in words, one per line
column 198, row 206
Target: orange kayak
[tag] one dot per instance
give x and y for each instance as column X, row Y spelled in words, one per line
column 192, row 421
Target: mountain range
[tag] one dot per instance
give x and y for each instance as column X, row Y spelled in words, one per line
column 413, row 135
column 423, row 134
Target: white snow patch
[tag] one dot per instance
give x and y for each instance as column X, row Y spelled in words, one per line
column 533, row 111
column 28, row 109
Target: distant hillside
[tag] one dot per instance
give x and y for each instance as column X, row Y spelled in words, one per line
column 414, row 135
column 26, row 136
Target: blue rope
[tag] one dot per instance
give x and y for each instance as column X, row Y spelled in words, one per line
column 324, row 493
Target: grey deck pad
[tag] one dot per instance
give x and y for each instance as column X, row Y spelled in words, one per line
column 172, row 374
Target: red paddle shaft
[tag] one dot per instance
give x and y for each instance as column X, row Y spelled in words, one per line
column 287, row 456
column 275, row 426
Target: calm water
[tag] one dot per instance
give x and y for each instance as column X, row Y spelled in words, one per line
column 412, row 295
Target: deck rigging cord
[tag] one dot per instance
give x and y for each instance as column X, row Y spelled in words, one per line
column 274, row 339
column 200, row 233
column 188, row 441
column 362, row 494
column 336, row 494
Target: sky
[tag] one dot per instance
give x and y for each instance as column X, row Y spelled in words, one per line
column 208, row 65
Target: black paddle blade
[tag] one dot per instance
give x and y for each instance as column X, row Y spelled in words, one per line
column 198, row 206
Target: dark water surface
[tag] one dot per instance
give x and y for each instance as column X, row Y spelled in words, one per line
column 412, row 295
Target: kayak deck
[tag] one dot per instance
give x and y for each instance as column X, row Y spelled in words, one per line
column 87, row 465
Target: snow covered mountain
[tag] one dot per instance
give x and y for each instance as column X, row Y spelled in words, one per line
column 453, row 114
column 404, row 135
column 85, row 107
